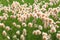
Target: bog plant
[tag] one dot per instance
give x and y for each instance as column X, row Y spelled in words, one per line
column 37, row 21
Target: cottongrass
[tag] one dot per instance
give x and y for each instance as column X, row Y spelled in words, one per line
column 23, row 13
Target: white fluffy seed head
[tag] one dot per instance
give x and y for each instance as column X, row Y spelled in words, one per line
column 36, row 32
column 18, row 26
column 14, row 36
column 19, row 19
column 44, row 6
column 7, row 28
column 45, row 38
column 22, row 37
column 56, row 26
column 58, row 35
column 43, row 9
column 4, row 17
column 35, row 1
column 18, row 32
column 44, row 34
column 4, row 33
column 30, row 24
column 51, row 4
column 35, row 16
column 8, row 37
column 14, row 23
column 2, row 25
column 18, row 15
column 24, row 24
column 1, row 17
column 59, row 18
column 40, row 27
column 50, row 21
column 53, row 29
column 24, row 32
column 13, row 16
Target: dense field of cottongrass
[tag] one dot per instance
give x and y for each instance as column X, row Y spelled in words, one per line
column 29, row 19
